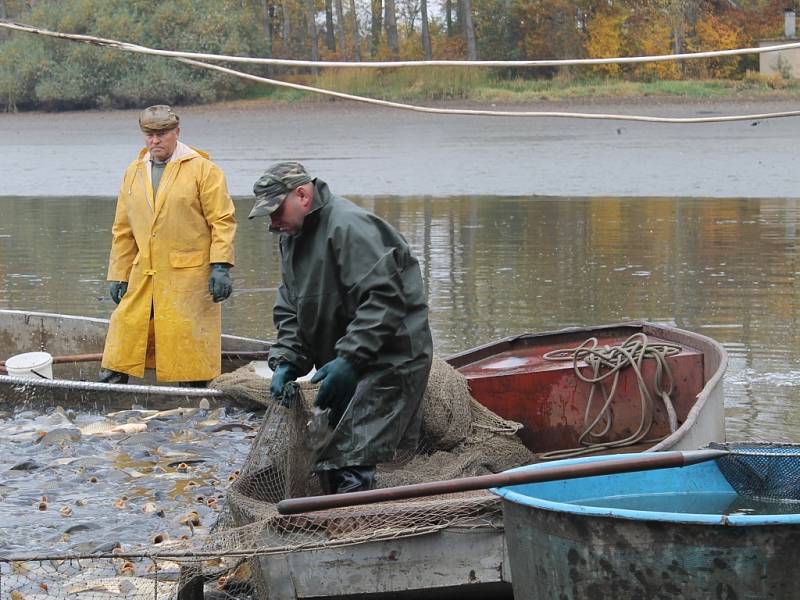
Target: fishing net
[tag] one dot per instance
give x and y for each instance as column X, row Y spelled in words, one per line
column 760, row 470
column 459, row 438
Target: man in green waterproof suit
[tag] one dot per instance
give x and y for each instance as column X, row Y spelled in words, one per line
column 352, row 304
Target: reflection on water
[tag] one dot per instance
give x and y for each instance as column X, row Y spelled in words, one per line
column 501, row 266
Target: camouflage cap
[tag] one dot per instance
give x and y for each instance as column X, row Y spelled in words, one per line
column 275, row 184
column 158, row 118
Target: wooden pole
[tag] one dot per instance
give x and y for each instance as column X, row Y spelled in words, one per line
column 645, row 462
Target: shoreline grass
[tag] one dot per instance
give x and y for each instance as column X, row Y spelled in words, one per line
column 443, row 84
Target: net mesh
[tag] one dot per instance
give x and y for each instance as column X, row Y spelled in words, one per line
column 459, row 438
column 762, row 470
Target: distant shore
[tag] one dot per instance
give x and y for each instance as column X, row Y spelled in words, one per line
column 368, row 150
column 626, row 104
column 423, row 87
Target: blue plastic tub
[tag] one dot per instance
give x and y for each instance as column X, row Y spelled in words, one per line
column 668, row 533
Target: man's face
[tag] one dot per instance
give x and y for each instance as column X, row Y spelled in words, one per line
column 162, row 143
column 290, row 214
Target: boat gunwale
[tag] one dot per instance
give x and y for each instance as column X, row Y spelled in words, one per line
column 460, row 359
column 134, row 389
column 508, row 494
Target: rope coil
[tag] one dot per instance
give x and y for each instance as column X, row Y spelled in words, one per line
column 606, row 363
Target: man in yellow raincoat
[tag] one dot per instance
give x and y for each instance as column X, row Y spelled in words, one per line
column 171, row 255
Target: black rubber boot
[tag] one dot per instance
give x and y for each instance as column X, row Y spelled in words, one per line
column 109, row 376
column 347, row 479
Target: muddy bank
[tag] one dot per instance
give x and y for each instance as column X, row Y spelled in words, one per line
column 366, row 150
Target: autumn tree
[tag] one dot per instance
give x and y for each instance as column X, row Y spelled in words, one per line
column 469, row 30
column 495, row 30
column 340, row 28
column 448, row 12
column 356, row 33
column 425, row 30
column 391, row 29
column 654, row 38
column 605, row 38
column 267, row 10
column 287, row 28
column 377, row 26
column 311, row 22
column 717, row 33
column 330, row 40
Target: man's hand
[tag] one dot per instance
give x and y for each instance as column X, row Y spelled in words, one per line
column 339, row 380
column 220, row 284
column 283, row 374
column 117, row 290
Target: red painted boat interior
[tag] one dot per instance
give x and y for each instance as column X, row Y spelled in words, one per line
column 514, row 380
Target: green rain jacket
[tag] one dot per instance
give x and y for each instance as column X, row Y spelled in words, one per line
column 352, row 288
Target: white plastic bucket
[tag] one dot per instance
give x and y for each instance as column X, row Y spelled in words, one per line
column 33, row 365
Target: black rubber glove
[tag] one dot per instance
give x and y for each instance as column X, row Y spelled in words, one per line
column 220, row 284
column 283, row 374
column 339, row 380
column 117, row 290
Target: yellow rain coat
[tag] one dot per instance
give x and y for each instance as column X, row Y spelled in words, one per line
column 162, row 247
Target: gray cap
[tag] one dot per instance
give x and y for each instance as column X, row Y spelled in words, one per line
column 277, row 182
column 158, row 118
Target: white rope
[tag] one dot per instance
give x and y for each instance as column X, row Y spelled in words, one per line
column 398, row 105
column 388, row 64
column 605, row 364
column 490, row 113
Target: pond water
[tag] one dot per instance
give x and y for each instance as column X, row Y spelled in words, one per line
column 498, row 266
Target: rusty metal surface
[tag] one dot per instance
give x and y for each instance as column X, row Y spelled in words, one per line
column 549, row 400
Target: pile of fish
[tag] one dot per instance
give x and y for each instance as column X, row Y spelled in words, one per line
column 127, row 482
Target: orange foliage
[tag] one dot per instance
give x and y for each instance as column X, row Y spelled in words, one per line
column 605, row 40
column 759, row 22
column 532, row 42
column 654, row 37
column 549, row 28
column 715, row 33
column 448, row 48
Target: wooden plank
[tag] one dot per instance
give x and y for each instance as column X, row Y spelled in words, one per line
column 455, row 562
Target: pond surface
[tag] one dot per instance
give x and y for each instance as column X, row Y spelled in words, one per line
column 727, row 268
column 371, row 150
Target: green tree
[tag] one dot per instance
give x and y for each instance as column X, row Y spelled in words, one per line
column 54, row 75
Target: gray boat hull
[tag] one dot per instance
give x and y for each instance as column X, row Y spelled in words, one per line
column 74, row 384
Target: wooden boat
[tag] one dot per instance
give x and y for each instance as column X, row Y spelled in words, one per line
column 72, row 340
column 512, row 378
column 694, row 531
column 509, row 376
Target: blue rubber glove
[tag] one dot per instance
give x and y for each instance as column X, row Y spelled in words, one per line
column 283, row 374
column 117, row 290
column 339, row 381
column 220, row 284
